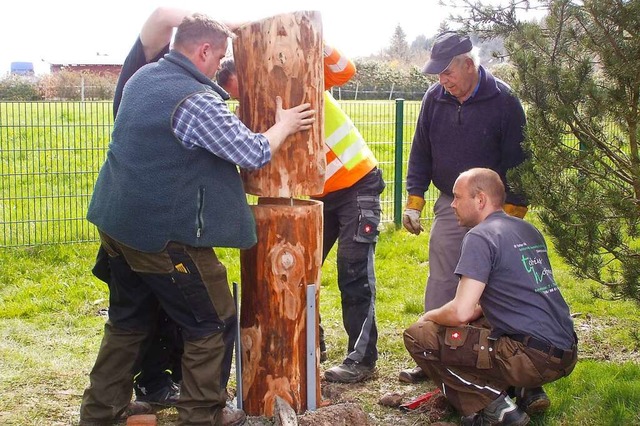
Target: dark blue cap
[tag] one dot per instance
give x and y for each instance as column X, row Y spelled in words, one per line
column 447, row 46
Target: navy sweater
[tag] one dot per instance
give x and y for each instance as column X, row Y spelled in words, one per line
column 484, row 131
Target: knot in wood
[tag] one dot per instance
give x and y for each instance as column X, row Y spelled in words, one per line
column 287, row 260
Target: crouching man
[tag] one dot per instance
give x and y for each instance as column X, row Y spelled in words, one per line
column 508, row 330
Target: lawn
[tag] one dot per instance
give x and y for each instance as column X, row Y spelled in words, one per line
column 52, row 311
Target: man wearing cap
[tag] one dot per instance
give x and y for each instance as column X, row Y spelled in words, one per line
column 467, row 119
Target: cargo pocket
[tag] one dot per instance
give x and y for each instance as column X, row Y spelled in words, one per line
column 188, row 280
column 368, row 219
column 516, row 363
column 214, row 276
column 457, row 345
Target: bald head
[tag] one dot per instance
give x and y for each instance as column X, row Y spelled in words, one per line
column 487, row 181
column 476, row 194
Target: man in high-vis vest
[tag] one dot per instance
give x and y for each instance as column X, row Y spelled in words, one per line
column 351, row 200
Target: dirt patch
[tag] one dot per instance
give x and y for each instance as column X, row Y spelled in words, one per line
column 595, row 341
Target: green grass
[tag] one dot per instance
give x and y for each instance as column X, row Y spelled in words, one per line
column 51, row 326
column 52, row 309
column 50, row 153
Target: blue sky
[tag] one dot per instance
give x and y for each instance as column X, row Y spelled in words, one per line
column 44, row 31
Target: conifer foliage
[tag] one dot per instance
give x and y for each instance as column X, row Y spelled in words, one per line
column 576, row 70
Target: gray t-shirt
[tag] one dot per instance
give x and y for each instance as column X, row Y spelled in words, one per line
column 509, row 255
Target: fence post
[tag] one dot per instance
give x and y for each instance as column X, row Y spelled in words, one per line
column 397, row 187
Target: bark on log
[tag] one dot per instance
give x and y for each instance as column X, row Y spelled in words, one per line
column 282, row 56
column 275, row 274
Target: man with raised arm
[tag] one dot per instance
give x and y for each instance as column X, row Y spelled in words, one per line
column 168, row 192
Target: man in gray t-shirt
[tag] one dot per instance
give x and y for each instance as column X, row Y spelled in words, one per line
column 521, row 334
column 520, row 296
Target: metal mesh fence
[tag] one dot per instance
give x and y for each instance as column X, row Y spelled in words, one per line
column 51, row 152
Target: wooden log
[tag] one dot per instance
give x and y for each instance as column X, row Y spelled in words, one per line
column 275, row 274
column 282, row 56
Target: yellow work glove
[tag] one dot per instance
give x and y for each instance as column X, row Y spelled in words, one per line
column 513, row 210
column 411, row 215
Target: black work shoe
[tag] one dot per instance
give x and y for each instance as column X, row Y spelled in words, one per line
column 474, row 419
column 166, row 396
column 503, row 411
column 412, row 375
column 349, row 373
column 532, row 400
column 232, row 416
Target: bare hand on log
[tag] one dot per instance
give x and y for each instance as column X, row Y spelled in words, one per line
column 288, row 122
column 299, row 117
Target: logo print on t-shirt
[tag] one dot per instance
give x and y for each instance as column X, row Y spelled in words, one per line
column 535, row 262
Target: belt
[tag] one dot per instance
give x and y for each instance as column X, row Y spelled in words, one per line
column 537, row 344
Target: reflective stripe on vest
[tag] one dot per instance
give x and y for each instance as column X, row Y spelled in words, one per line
column 339, row 66
column 346, row 144
column 334, row 60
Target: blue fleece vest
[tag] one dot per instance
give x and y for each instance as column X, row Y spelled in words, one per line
column 151, row 188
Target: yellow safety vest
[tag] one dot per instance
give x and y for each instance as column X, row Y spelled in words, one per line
column 349, row 158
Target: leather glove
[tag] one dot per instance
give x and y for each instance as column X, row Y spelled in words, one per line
column 411, row 215
column 513, row 210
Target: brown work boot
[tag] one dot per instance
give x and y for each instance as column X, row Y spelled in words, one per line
column 136, row 408
column 232, row 416
column 413, row 375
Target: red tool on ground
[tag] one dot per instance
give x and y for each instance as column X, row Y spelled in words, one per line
column 416, row 403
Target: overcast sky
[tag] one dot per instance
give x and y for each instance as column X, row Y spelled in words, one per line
column 72, row 30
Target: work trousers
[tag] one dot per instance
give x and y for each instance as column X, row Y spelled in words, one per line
column 351, row 217
column 191, row 286
column 161, row 362
column 445, row 244
column 472, row 370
